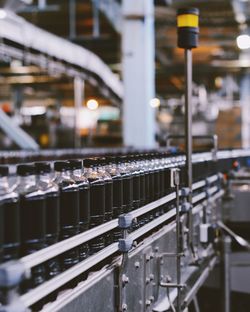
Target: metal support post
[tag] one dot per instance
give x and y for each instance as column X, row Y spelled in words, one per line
column 12, row 273
column 78, row 100
column 226, row 274
column 125, row 244
column 17, row 134
column 138, row 46
column 188, row 23
column 245, row 98
column 175, row 182
column 188, row 135
column 96, row 18
column 72, row 19
column 178, row 245
column 42, row 4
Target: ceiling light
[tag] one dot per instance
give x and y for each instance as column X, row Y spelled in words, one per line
column 3, row 14
column 155, row 102
column 92, row 104
column 243, row 42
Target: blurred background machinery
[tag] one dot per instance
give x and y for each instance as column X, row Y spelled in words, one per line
column 104, row 81
column 74, row 92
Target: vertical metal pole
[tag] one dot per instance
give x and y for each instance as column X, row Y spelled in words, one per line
column 78, row 100
column 42, row 4
column 72, row 19
column 178, row 246
column 188, row 134
column 245, row 113
column 96, row 23
column 226, row 273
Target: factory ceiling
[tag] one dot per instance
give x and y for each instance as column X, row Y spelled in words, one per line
column 96, row 25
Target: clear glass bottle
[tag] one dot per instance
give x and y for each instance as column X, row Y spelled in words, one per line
column 32, row 218
column 69, row 210
column 10, row 217
column 76, row 173
column 45, row 182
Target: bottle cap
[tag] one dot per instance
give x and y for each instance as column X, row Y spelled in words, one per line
column 42, row 167
column 4, row 171
column 61, row 166
column 75, row 164
column 25, row 170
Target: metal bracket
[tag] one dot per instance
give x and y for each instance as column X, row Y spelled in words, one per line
column 185, row 207
column 172, row 254
column 11, row 274
column 174, row 177
column 125, row 221
column 173, row 285
column 15, row 306
column 185, row 191
column 125, row 245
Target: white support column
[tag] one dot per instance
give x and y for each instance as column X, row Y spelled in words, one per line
column 78, row 101
column 138, row 58
column 245, row 109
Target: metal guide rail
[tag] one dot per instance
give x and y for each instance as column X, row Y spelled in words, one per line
column 80, row 292
column 63, row 246
column 154, row 216
column 14, row 157
column 48, row 287
column 209, row 188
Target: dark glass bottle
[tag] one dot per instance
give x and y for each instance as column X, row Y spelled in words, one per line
column 76, row 169
column 50, row 188
column 78, row 176
column 157, row 178
column 151, row 178
column 142, row 171
column 1, row 232
column 101, row 163
column 147, row 170
column 32, row 218
column 162, row 174
column 113, row 170
column 127, row 184
column 166, row 173
column 10, row 218
column 69, row 210
column 108, row 196
column 131, row 165
column 97, row 201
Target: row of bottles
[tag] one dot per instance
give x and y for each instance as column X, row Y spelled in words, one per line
column 43, row 206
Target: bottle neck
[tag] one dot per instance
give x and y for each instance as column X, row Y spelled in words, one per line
column 45, row 177
column 91, row 169
column 30, row 179
column 4, row 183
column 63, row 174
column 77, row 172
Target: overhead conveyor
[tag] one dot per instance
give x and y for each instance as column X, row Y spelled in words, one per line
column 22, row 40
